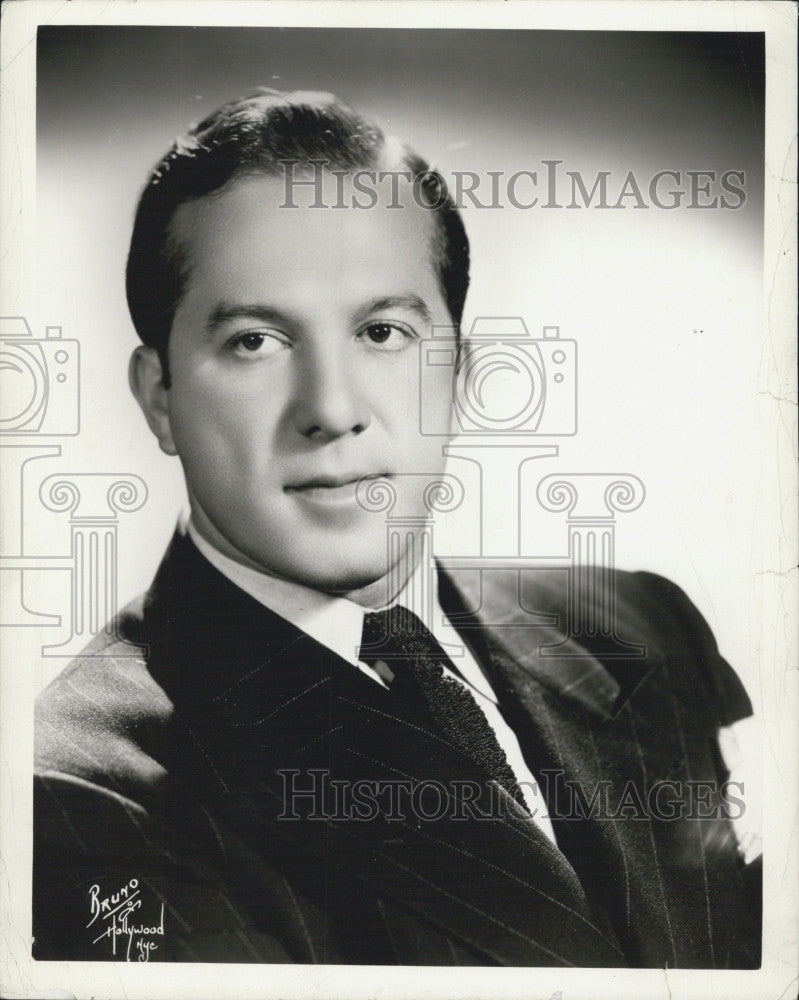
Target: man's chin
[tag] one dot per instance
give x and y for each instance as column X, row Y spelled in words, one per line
column 371, row 584
column 356, row 583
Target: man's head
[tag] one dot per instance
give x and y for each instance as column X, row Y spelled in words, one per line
column 292, row 335
column 261, row 134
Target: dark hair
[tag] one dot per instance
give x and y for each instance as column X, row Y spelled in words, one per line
column 253, row 135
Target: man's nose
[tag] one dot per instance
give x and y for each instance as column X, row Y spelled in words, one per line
column 329, row 397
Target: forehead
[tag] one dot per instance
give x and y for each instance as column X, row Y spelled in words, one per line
column 248, row 234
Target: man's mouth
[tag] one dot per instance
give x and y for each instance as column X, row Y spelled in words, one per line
column 332, row 488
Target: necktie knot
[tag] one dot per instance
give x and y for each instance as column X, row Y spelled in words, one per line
column 395, row 634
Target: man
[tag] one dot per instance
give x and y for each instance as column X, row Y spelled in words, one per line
column 265, row 765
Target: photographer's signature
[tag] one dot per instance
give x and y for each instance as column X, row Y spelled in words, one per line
column 119, row 915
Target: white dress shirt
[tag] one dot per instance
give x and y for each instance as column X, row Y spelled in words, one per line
column 337, row 623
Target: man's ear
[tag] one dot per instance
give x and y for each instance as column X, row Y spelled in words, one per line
column 146, row 379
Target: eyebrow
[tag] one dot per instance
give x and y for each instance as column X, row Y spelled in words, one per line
column 412, row 303
column 226, row 311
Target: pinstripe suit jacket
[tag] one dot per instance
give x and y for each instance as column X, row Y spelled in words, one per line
column 164, row 755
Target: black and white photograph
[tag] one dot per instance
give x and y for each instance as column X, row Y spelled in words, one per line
column 399, row 530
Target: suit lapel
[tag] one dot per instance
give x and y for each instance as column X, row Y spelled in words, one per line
column 277, row 719
column 621, row 729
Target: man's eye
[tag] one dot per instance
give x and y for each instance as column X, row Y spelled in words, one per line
column 391, row 336
column 252, row 341
column 257, row 342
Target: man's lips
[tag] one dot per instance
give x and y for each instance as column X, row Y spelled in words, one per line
column 333, row 481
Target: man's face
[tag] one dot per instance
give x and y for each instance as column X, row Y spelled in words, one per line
column 294, row 357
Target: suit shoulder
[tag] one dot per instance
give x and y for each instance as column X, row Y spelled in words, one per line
column 648, row 605
column 650, row 611
column 666, row 610
column 98, row 717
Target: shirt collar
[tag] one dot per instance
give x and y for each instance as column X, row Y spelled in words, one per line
column 335, row 622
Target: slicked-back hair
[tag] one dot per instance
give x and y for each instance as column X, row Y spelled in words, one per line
column 257, row 135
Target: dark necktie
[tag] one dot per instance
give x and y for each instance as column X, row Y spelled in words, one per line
column 402, row 651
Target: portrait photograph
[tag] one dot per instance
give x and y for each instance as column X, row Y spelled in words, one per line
column 399, row 538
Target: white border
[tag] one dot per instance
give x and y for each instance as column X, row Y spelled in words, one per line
column 20, row 976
